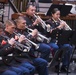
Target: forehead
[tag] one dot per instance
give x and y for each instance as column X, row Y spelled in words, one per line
column 57, row 12
column 22, row 20
column 12, row 25
column 31, row 7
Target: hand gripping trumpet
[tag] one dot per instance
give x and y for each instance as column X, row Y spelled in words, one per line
column 18, row 45
column 41, row 36
column 36, row 45
column 44, row 25
column 66, row 25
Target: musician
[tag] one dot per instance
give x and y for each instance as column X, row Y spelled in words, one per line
column 4, row 49
column 33, row 23
column 24, row 66
column 55, row 23
column 40, row 64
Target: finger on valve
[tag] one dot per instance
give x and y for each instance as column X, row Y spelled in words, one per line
column 11, row 41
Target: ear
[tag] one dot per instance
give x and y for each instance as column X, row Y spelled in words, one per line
column 6, row 25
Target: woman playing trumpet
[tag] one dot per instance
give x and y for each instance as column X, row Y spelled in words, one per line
column 56, row 23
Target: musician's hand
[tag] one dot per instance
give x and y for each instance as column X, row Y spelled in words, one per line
column 37, row 21
column 21, row 38
column 34, row 33
column 48, row 26
column 61, row 26
column 51, row 30
column 11, row 41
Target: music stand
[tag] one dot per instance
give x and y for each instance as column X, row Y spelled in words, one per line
column 59, row 54
column 62, row 8
column 64, row 37
column 52, row 7
column 66, row 8
column 73, row 42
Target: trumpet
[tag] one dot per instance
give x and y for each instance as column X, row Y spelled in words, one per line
column 41, row 36
column 18, row 45
column 44, row 25
column 29, row 41
column 66, row 27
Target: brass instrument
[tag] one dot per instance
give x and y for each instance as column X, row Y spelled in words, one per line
column 29, row 41
column 44, row 25
column 66, row 27
column 18, row 45
column 41, row 36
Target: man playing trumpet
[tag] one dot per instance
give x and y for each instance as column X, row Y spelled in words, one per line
column 35, row 23
column 39, row 63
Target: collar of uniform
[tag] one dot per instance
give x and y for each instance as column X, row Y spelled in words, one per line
column 52, row 20
column 29, row 16
column 20, row 30
column 7, row 33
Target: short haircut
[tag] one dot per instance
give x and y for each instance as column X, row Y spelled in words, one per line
column 27, row 7
column 9, row 22
column 18, row 19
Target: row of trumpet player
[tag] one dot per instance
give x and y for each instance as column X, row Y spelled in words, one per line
column 23, row 59
column 63, row 24
column 37, row 36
